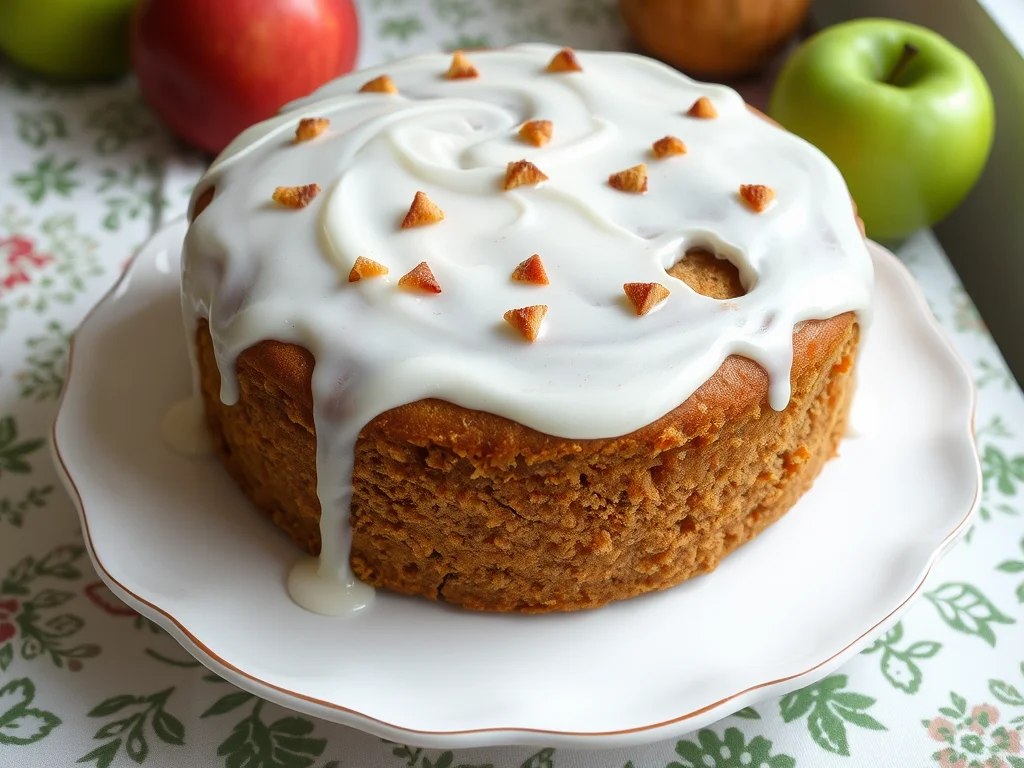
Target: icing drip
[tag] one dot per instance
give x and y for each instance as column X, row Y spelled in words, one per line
column 331, row 594
column 184, row 428
column 260, row 271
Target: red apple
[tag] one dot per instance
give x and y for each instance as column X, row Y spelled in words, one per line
column 211, row 69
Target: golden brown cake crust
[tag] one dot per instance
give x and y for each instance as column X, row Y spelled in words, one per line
column 478, row 510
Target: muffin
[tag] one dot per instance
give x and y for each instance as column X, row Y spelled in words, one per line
column 527, row 330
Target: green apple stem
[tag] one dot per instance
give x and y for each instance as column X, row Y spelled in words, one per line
column 906, row 56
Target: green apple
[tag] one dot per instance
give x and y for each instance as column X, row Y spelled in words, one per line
column 905, row 115
column 67, row 39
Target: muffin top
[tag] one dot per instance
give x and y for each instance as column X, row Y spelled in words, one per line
column 496, row 229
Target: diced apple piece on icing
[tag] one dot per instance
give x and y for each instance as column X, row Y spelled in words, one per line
column 630, row 180
column 422, row 212
column 365, row 267
column 565, row 61
column 420, row 278
column 668, row 146
column 645, row 296
column 527, row 320
column 531, row 271
column 522, row 173
column 537, row 132
column 461, row 68
column 757, row 196
column 382, row 84
column 296, row 197
column 703, row 108
column 310, row 128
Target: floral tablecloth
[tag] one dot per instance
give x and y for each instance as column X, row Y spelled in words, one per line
column 86, row 173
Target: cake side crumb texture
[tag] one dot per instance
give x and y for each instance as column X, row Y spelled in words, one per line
column 480, row 511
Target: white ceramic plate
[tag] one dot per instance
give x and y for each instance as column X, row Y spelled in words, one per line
column 175, row 539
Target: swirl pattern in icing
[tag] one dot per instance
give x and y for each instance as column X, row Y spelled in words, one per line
column 259, row 271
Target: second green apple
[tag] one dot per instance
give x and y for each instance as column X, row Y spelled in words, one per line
column 905, row 115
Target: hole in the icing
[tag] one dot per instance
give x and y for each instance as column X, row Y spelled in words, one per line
column 687, row 525
column 204, row 200
column 708, row 275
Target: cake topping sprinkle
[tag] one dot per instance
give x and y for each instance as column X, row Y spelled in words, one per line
column 537, row 132
column 461, row 68
column 703, row 108
column 565, row 61
column 365, row 267
column 630, row 180
column 310, row 128
column 668, row 146
column 522, row 172
column 420, row 278
column 527, row 320
column 382, row 84
column 531, row 271
column 422, row 212
column 296, row 197
column 757, row 196
column 645, row 296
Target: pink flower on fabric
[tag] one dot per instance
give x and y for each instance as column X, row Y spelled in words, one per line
column 1006, row 740
column 946, row 759
column 984, row 716
column 8, row 609
column 941, row 729
column 996, row 762
column 1013, row 743
column 103, row 598
column 19, row 254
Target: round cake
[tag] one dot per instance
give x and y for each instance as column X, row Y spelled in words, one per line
column 522, row 330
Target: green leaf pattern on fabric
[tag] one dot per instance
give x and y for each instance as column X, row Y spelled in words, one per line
column 747, row 713
column 285, row 743
column 40, row 127
column 964, row 608
column 140, row 714
column 828, row 710
column 1015, row 566
column 14, row 453
column 120, row 122
column 45, row 363
column 900, row 666
column 28, row 621
column 732, row 750
column 131, row 194
column 49, row 176
column 21, row 723
column 401, row 27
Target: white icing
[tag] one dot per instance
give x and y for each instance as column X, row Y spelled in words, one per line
column 259, row 271
column 184, row 428
column 324, row 592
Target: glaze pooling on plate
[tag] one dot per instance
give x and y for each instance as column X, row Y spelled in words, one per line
column 184, row 428
column 259, row 271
